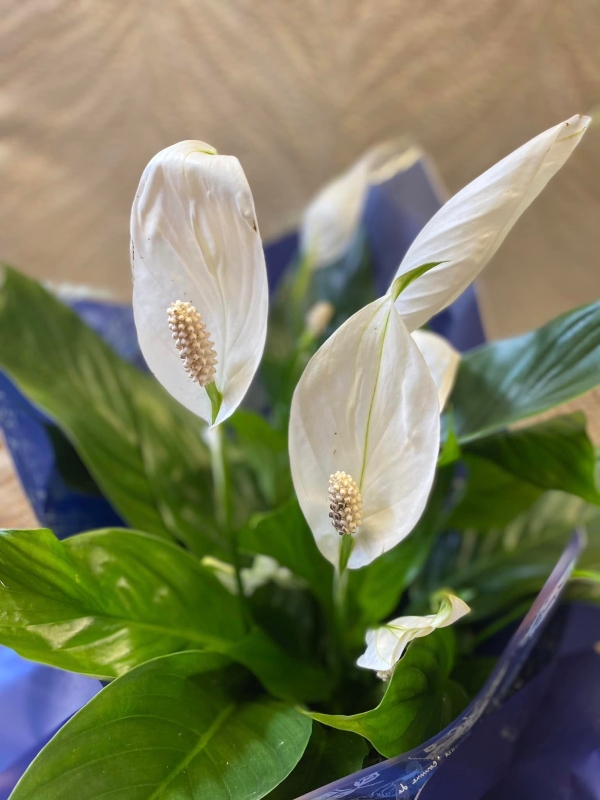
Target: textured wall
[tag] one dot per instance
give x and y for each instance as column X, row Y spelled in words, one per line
column 91, row 89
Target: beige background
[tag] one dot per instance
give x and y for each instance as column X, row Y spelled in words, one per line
column 91, row 89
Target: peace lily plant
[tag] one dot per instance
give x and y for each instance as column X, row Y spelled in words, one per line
column 259, row 617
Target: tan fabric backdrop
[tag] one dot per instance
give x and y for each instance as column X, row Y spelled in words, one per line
column 91, row 89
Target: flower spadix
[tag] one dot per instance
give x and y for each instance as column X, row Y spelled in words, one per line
column 385, row 645
column 200, row 296
column 333, row 216
column 466, row 232
column 364, row 435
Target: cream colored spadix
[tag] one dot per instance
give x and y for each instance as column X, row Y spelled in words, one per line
column 364, row 416
column 471, row 226
column 385, row 645
column 196, row 249
column 333, row 216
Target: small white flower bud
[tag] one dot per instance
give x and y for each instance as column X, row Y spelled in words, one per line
column 319, row 316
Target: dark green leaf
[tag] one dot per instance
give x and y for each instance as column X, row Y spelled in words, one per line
column 176, row 728
column 141, row 447
column 265, row 450
column 503, row 382
column 102, row 602
column 281, row 674
column 284, row 535
column 330, row 755
column 414, row 706
column 493, row 497
column 556, row 454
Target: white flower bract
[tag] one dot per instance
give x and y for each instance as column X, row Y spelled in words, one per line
column 366, row 405
column 467, row 231
column 385, row 645
column 442, row 361
column 194, row 238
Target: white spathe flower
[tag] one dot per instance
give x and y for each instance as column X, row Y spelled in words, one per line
column 364, row 435
column 194, row 239
column 441, row 359
column 466, row 232
column 386, row 645
column 263, row 569
column 332, row 218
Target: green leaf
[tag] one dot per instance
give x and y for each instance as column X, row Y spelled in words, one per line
column 330, row 755
column 281, row 674
column 492, row 498
column 500, row 383
column 265, row 450
column 556, row 454
column 284, row 535
column 508, row 566
column 181, row 727
column 403, row 281
column 141, row 447
column 415, row 704
column 102, row 602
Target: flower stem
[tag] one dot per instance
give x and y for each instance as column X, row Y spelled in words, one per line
column 222, row 494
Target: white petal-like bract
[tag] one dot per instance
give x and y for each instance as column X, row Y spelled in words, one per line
column 332, row 218
column 366, row 405
column 442, row 360
column 466, row 232
column 194, row 238
column 386, row 645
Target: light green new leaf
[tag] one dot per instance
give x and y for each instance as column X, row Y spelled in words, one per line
column 414, row 705
column 142, row 448
column 103, row 602
column 330, row 755
column 284, row 535
column 181, row 727
column 503, row 382
column 556, row 454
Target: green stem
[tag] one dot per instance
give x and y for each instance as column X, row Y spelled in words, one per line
column 340, row 588
column 300, row 287
column 223, row 514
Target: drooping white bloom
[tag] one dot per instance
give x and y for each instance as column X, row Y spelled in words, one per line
column 332, row 218
column 386, row 645
column 200, row 296
column 442, row 360
column 364, row 435
column 466, row 232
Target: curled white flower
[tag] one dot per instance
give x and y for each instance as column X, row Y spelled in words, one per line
column 466, row 232
column 364, row 435
column 200, row 296
column 332, row 218
column 441, row 359
column 386, row 645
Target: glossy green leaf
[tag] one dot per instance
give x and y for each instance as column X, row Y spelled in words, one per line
column 330, row 754
column 181, row 727
column 556, row 454
column 492, row 497
column 506, row 567
column 284, row 535
column 265, row 450
column 502, row 382
column 282, row 675
column 414, row 705
column 103, row 602
column 141, row 447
